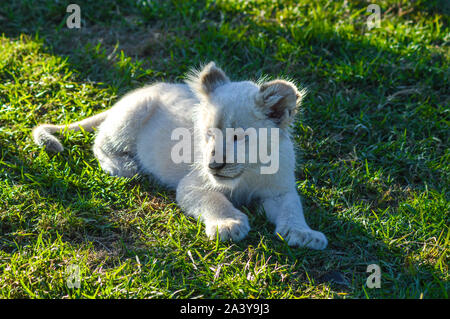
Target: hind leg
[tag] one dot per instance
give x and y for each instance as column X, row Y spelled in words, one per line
column 116, row 161
column 122, row 165
column 115, row 144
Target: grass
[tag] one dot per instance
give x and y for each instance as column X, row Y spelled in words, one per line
column 374, row 135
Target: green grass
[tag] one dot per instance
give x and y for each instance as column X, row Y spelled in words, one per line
column 374, row 134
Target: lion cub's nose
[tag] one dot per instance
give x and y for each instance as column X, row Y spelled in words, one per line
column 215, row 165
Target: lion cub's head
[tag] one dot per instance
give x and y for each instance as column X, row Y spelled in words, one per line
column 239, row 126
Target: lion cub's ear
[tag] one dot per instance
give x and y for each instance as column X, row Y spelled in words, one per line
column 279, row 99
column 207, row 80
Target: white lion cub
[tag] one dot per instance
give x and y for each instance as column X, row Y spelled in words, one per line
column 135, row 135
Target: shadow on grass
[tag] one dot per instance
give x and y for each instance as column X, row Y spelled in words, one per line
column 352, row 248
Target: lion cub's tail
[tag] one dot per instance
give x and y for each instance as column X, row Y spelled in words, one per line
column 42, row 134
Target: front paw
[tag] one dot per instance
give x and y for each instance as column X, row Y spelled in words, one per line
column 303, row 237
column 234, row 228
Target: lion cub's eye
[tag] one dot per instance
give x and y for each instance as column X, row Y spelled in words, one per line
column 209, row 132
column 239, row 136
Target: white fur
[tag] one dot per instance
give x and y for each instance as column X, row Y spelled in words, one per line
column 135, row 136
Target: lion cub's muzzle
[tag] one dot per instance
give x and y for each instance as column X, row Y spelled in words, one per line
column 224, row 170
